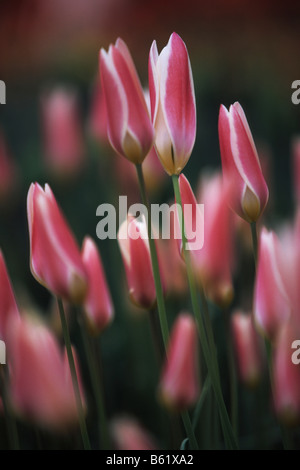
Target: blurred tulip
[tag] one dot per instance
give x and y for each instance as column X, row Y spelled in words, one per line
column 173, row 107
column 98, row 115
column 240, row 164
column 272, row 305
column 62, row 132
column 135, row 251
column 129, row 126
column 179, row 386
column 8, row 305
column 98, row 307
column 286, row 375
column 248, row 348
column 128, row 434
column 40, row 380
column 55, row 258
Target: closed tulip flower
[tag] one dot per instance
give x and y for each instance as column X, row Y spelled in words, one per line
column 179, row 386
column 173, row 108
column 41, row 389
column 97, row 306
column 135, row 251
column 130, row 130
column 55, row 258
column 240, row 164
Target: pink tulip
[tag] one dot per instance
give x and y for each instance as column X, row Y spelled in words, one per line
column 98, row 115
column 248, row 348
column 173, row 107
column 129, row 126
column 55, row 258
column 8, row 305
column 135, row 251
column 98, row 307
column 128, row 434
column 40, row 378
column 272, row 304
column 286, row 374
column 179, row 386
column 240, row 163
column 62, row 132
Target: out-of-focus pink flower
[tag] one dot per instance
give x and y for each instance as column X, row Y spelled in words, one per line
column 173, row 107
column 135, row 251
column 128, row 434
column 296, row 168
column 240, row 164
column 8, row 305
column 9, row 175
column 286, row 374
column 40, row 380
column 272, row 304
column 55, row 259
column 62, row 132
column 248, row 348
column 129, row 126
column 212, row 259
column 98, row 115
column 97, row 306
column 179, row 386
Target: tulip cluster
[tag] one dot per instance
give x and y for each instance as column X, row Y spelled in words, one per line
column 210, row 338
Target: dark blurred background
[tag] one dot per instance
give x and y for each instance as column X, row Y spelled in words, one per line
column 246, row 51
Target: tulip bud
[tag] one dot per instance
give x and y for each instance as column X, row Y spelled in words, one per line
column 40, row 380
column 135, row 251
column 248, row 349
column 55, row 258
column 129, row 126
column 173, row 108
column 62, row 132
column 271, row 302
column 179, row 386
column 128, row 434
column 240, row 164
column 8, row 306
column 97, row 306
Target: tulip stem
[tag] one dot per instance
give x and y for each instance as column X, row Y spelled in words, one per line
column 254, row 241
column 207, row 346
column 154, row 259
column 10, row 420
column 66, row 334
column 95, row 382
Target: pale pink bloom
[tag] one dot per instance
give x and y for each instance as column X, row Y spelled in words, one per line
column 135, row 251
column 130, row 130
column 179, row 386
column 272, row 304
column 62, row 132
column 173, row 107
column 248, row 348
column 55, row 258
column 128, row 434
column 98, row 114
column 97, row 306
column 8, row 305
column 41, row 387
column 240, row 164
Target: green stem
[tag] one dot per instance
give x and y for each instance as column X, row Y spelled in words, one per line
column 254, row 241
column 232, row 374
column 209, row 353
column 66, row 334
column 154, row 259
column 189, row 430
column 96, row 384
column 10, row 420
